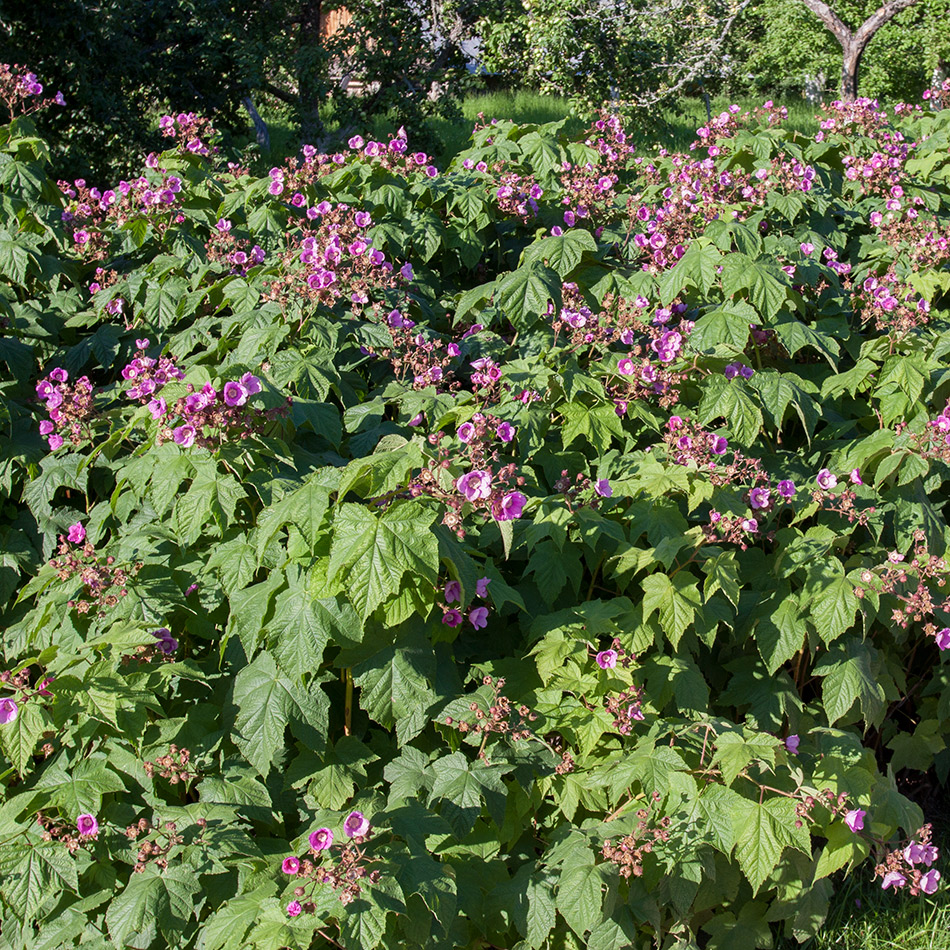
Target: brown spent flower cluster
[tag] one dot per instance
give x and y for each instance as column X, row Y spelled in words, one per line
column 103, row 583
column 501, row 717
column 58, row 829
column 628, row 853
column 826, row 798
column 153, row 849
column 175, row 766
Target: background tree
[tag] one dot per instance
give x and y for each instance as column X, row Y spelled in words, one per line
column 854, row 41
column 641, row 52
column 782, row 49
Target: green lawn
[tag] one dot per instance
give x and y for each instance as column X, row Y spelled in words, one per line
column 676, row 131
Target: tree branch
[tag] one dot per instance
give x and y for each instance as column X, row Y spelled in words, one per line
column 874, row 22
column 831, row 20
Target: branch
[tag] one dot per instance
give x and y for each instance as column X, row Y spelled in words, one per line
column 831, row 20
column 874, row 22
column 279, row 93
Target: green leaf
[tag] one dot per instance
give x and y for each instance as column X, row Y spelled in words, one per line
column 763, row 831
column 80, row 789
column 523, row 295
column 267, row 702
column 298, row 631
column 459, row 786
column 729, row 400
column 372, row 554
column 831, row 602
column 676, row 599
column 153, row 902
column 579, row 892
column 849, row 674
column 780, row 634
column 736, row 751
column 18, row 738
column 395, row 686
column 33, row 872
column 725, row 327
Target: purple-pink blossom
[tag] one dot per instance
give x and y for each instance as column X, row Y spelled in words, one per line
column 478, row 617
column 77, row 534
column 87, row 826
column 505, row 431
column 234, row 394
column 826, row 480
column 453, row 592
column 9, row 710
column 603, row 488
column 786, row 488
column 893, row 878
column 452, row 618
column 943, row 638
column 854, row 819
column 290, row 865
column 510, row 507
column 356, row 824
column 607, row 659
column 321, row 839
column 928, row 883
column 759, row 497
column 294, row 909
column 791, row 744
column 481, row 586
column 475, row 485
column 466, row 432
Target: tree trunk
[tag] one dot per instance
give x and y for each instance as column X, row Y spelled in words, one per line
column 854, row 42
column 309, row 71
column 260, row 126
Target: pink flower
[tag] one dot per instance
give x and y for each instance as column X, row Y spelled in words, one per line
column 826, row 480
column 453, row 592
column 321, row 839
column 77, row 533
column 55, row 441
column 759, row 498
column 943, row 638
column 9, row 710
column 894, row 878
column 290, row 865
column 791, row 744
column 466, row 432
column 234, row 394
column 356, row 824
column 87, row 826
column 625, row 367
column 475, row 485
column 719, row 445
column 607, row 659
column 928, row 883
column 510, row 507
column 916, row 853
column 294, row 909
column 855, row 819
column 750, row 524
column 251, row 384
column 478, row 617
column 855, row 477
column 786, row 488
column 505, row 431
column 184, row 436
column 452, row 618
column 481, row 587
column 602, row 487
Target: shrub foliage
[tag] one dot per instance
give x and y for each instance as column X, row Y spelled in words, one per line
column 543, row 552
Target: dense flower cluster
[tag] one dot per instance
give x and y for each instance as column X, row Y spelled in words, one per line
column 629, row 852
column 70, row 406
column 21, row 91
column 890, row 303
column 346, row 871
column 901, row 866
column 102, row 583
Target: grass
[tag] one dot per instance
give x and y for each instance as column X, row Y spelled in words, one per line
column 675, row 131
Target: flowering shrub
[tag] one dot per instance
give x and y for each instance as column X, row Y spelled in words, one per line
column 548, row 551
